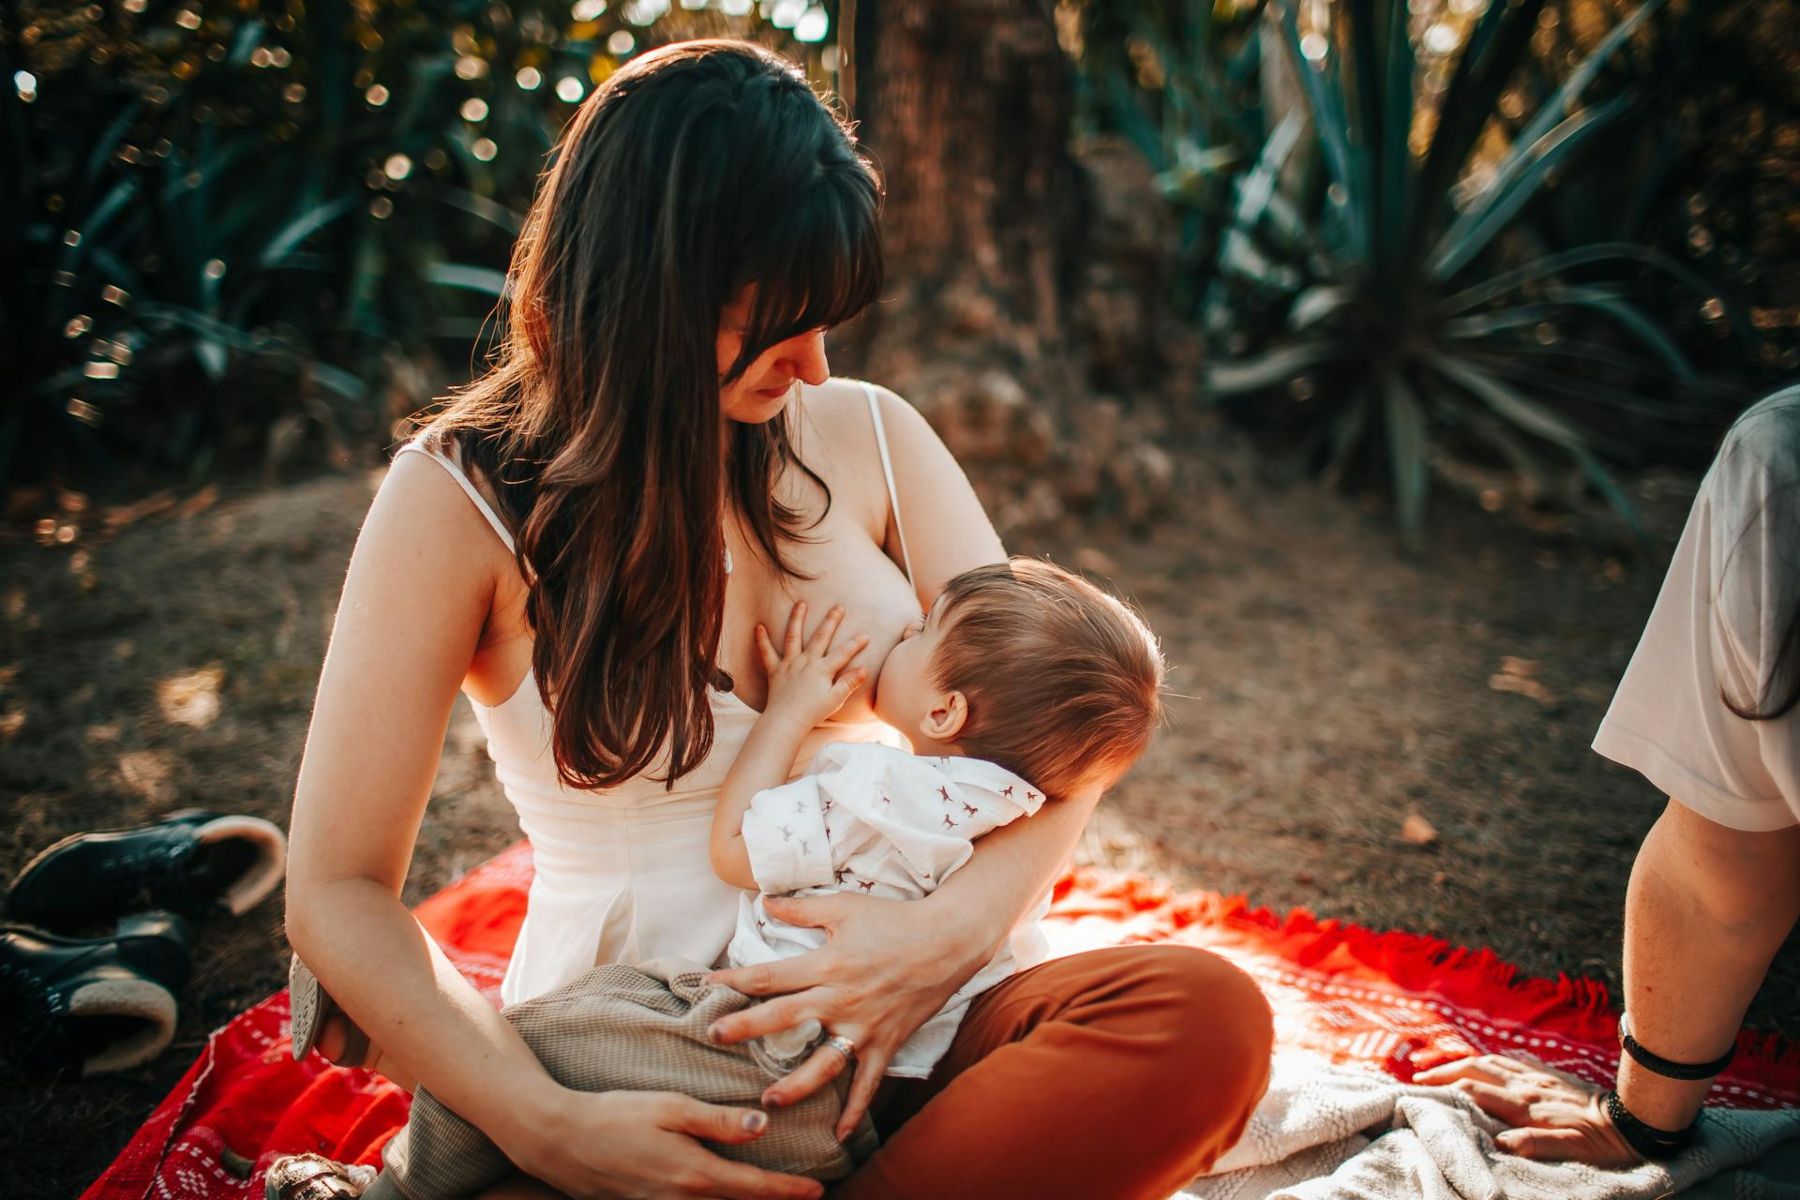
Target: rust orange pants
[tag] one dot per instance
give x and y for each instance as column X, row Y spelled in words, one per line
column 1116, row 1074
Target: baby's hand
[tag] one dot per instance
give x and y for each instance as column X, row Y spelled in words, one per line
column 809, row 683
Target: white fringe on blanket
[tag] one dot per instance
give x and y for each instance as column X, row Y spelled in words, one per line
column 1326, row 1132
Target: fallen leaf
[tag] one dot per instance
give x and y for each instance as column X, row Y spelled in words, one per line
column 1417, row 831
column 150, row 774
column 1519, row 676
column 191, row 697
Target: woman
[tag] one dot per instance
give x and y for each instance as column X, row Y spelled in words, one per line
column 657, row 462
column 1708, row 711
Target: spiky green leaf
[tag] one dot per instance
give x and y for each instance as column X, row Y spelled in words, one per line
column 1408, row 450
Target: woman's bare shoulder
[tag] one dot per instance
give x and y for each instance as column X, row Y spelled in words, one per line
column 842, row 398
column 421, row 488
column 946, row 530
column 835, row 418
column 834, row 437
column 421, row 507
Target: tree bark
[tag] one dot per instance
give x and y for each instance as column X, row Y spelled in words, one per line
column 965, row 105
column 1014, row 291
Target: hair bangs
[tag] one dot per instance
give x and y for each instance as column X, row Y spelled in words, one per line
column 820, row 267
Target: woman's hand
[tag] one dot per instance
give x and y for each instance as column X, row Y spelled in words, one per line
column 645, row 1146
column 809, row 682
column 889, row 967
column 1553, row 1117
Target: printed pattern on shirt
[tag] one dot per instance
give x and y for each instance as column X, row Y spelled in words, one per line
column 875, row 821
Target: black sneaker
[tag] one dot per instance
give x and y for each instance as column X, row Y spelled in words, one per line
column 188, row 863
column 99, row 1004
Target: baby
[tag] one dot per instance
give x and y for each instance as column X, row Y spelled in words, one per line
column 1023, row 684
column 1023, row 681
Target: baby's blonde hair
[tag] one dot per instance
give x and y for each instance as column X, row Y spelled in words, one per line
column 1063, row 681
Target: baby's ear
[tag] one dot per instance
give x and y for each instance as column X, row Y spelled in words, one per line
column 944, row 721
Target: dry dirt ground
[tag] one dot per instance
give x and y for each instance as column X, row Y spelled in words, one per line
column 1330, row 687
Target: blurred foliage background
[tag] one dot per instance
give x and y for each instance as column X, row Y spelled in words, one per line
column 1425, row 242
column 1544, row 235
column 254, row 226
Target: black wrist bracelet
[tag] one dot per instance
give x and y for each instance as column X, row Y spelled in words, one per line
column 1647, row 1140
column 1668, row 1068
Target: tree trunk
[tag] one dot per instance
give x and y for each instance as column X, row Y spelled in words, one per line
column 965, row 106
column 1002, row 315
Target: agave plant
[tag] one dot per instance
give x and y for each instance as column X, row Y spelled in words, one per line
column 41, row 353
column 1363, row 232
column 145, row 279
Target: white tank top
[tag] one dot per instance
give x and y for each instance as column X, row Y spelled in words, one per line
column 623, row 874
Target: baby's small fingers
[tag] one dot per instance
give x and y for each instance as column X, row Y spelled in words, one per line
column 796, row 623
column 821, row 642
column 848, row 682
column 766, row 650
column 849, row 650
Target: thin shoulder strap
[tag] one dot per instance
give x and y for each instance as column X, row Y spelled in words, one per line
column 887, row 470
column 449, row 463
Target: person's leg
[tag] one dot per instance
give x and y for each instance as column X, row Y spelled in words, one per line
column 1117, row 1074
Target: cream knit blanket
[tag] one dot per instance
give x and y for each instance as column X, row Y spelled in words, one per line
column 1334, row 1133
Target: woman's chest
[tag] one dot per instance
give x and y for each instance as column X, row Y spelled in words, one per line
column 838, row 559
column 840, row 562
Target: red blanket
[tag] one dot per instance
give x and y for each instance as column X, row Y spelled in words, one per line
column 1396, row 1002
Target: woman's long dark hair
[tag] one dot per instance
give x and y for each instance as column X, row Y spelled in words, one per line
column 695, row 170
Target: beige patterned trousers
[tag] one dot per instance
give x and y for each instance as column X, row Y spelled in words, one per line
column 626, row 1028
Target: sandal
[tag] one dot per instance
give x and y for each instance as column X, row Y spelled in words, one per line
column 315, row 1177
column 309, row 1007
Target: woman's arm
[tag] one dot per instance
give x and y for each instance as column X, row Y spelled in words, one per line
column 890, row 966
column 411, row 615
column 1707, row 908
column 413, row 610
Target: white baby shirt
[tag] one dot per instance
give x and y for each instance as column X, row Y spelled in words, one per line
column 878, row 821
column 1716, row 632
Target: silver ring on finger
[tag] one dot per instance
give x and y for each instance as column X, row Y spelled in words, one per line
column 843, row 1046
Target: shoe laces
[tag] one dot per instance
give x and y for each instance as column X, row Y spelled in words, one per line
column 156, row 871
